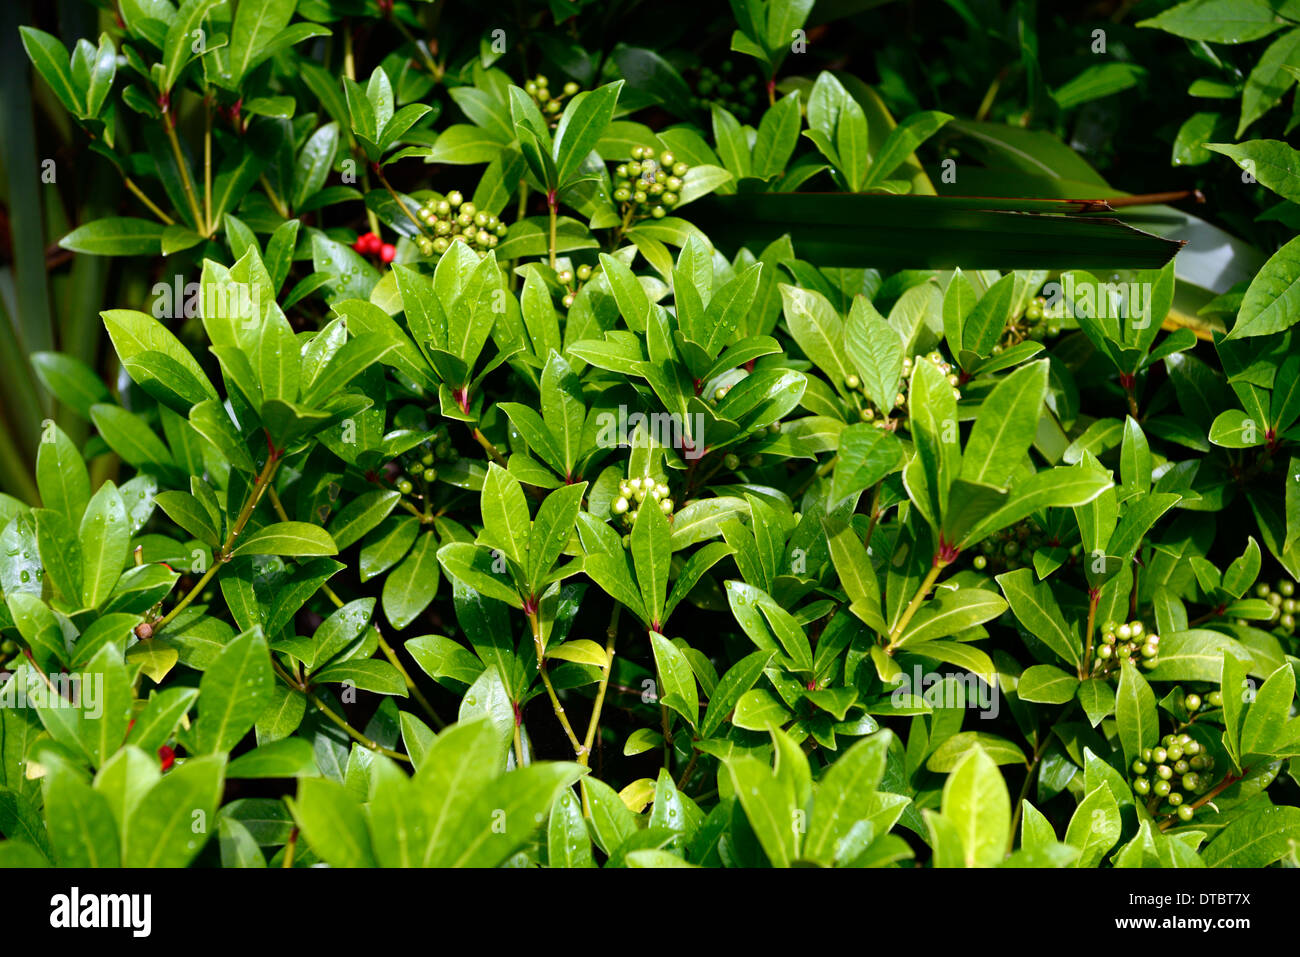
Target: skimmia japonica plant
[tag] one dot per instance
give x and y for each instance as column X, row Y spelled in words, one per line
column 542, row 435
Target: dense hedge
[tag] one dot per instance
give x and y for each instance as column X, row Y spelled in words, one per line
column 567, row 435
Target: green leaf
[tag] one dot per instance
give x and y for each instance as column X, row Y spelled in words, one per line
column 1217, row 21
column 1047, row 685
column 581, row 127
column 79, row 820
column 1273, row 297
column 160, row 831
column 1135, row 713
column 1257, row 839
column 361, row 515
column 413, row 584
column 876, row 351
column 818, row 330
column 1095, row 826
column 769, row 804
column 901, row 143
column 567, row 841
column 950, row 613
column 676, row 679
column 738, row 680
column 286, row 758
column 332, row 823
column 105, row 534
column 1005, row 427
column 652, row 558
column 233, row 693
column 506, row 525
column 1036, row 608
column 845, row 796
column 1194, row 655
column 287, row 538
column 976, row 802
column 50, row 58
column 61, row 474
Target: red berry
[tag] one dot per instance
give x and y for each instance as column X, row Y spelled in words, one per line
column 387, row 252
column 167, row 756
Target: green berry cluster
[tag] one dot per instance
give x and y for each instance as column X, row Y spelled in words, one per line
column 883, row 418
column 572, row 280
column 551, row 104
column 420, row 464
column 1176, row 769
column 633, row 493
column 740, row 97
column 454, row 219
column 1129, row 641
column 649, row 186
column 1282, row 597
column 1013, row 547
column 1032, row 324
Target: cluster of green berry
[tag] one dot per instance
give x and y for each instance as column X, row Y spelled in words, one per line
column 453, row 219
column 883, row 417
column 737, row 96
column 420, row 463
column 649, row 186
column 572, row 280
column 1130, row 642
column 1282, row 597
column 1034, row 324
column 551, row 104
column 1176, row 768
column 633, row 493
column 1012, row 547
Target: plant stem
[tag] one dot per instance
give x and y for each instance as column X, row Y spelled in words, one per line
column 353, row 733
column 875, row 514
column 384, row 646
column 1024, row 790
column 553, row 205
column 1228, row 781
column 280, row 206
column 550, row 688
column 259, row 487
column 489, row 448
column 519, row 746
column 398, row 200
column 822, row 471
column 1094, row 595
column 207, row 162
column 429, row 63
column 200, row 223
column 936, row 568
column 152, row 206
column 593, row 725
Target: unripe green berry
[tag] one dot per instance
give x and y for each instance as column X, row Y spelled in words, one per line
column 404, row 486
column 1186, row 812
